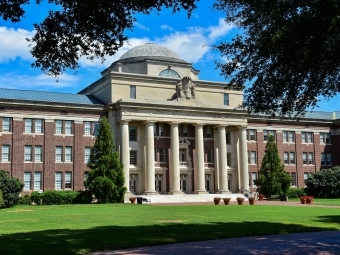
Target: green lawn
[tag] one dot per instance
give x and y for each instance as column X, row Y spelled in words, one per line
column 322, row 201
column 79, row 229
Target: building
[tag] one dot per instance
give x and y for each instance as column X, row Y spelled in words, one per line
column 175, row 134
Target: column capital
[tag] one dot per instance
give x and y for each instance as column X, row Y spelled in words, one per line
column 149, row 122
column 124, row 121
column 199, row 124
column 174, row 123
column 222, row 125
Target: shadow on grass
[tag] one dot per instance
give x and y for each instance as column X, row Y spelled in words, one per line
column 67, row 241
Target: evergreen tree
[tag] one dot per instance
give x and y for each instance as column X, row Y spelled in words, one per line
column 273, row 179
column 106, row 178
column 9, row 190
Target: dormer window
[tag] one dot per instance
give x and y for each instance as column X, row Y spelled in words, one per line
column 169, row 73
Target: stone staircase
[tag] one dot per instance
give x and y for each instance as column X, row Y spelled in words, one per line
column 187, row 198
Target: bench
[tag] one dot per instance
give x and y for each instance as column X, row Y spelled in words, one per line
column 143, row 200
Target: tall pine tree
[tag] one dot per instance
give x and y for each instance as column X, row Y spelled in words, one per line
column 106, row 178
column 273, row 179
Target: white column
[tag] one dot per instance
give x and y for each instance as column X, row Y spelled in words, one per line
column 244, row 158
column 150, row 159
column 200, row 177
column 125, row 152
column 223, row 174
column 175, row 172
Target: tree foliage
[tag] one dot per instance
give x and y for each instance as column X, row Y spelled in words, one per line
column 10, row 187
column 286, row 54
column 91, row 28
column 273, row 179
column 324, row 183
column 106, row 178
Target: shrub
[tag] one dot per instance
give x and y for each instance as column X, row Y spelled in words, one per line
column 325, row 183
column 54, row 197
column 2, row 201
column 10, row 187
column 295, row 192
column 25, row 200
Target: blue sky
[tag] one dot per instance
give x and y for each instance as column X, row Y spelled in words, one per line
column 190, row 38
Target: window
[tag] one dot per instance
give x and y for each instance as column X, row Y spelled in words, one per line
column 38, row 126
column 267, row 133
column 133, row 92
column 326, row 159
column 5, row 153
column 68, row 180
column 58, row 127
column 87, row 154
column 288, row 136
column 28, row 153
column 28, row 126
column 58, row 180
column 252, row 157
column 154, row 130
column 209, row 156
column 208, row 131
column 307, row 158
column 96, row 128
column 133, row 157
column 37, row 181
column 87, row 128
column 305, row 177
column 162, row 155
column 133, row 134
column 289, row 158
column 68, row 154
column 58, row 154
column 307, row 137
column 27, row 181
column 185, row 130
column 226, row 99
column 325, row 138
column 293, row 175
column 6, row 124
column 182, row 153
column 229, row 159
column 161, row 130
column 155, row 154
column 253, row 178
column 251, row 135
column 169, row 73
column 38, row 154
column 68, row 127
column 227, row 137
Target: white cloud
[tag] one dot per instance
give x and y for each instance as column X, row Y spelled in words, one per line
column 141, row 26
column 15, row 81
column 166, row 27
column 218, row 31
column 13, row 44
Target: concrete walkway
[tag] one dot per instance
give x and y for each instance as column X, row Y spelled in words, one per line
column 311, row 243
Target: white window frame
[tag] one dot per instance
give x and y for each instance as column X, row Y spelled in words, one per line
column 226, row 99
column 267, row 133
column 68, row 153
column 28, row 125
column 87, row 154
column 58, row 181
column 37, row 181
column 95, row 128
column 160, row 129
column 6, row 124
column 58, row 154
column 133, row 92
column 58, row 126
column 87, row 127
column 28, row 153
column 27, row 180
column 133, row 157
column 68, row 180
column 161, row 154
column 68, row 127
column 38, row 126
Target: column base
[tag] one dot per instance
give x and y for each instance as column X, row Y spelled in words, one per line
column 176, row 192
column 223, row 192
column 129, row 194
column 149, row 192
column 200, row 192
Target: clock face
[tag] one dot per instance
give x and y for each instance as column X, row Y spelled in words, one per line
column 169, row 73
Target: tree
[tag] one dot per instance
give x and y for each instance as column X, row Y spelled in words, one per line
column 106, row 178
column 325, row 183
column 286, row 54
column 10, row 187
column 273, row 179
column 91, row 28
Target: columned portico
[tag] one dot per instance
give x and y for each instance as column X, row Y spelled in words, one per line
column 244, row 158
column 174, row 171
column 200, row 177
column 125, row 152
column 150, row 160
column 223, row 175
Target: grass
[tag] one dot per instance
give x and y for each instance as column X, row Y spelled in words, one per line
column 81, row 229
column 322, row 201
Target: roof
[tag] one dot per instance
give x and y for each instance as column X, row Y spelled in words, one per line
column 150, row 51
column 53, row 97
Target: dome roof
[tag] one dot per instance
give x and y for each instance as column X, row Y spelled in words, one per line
column 151, row 51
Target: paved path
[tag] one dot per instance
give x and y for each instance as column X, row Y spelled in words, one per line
column 311, row 243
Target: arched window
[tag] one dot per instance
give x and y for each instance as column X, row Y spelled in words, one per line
column 169, row 73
